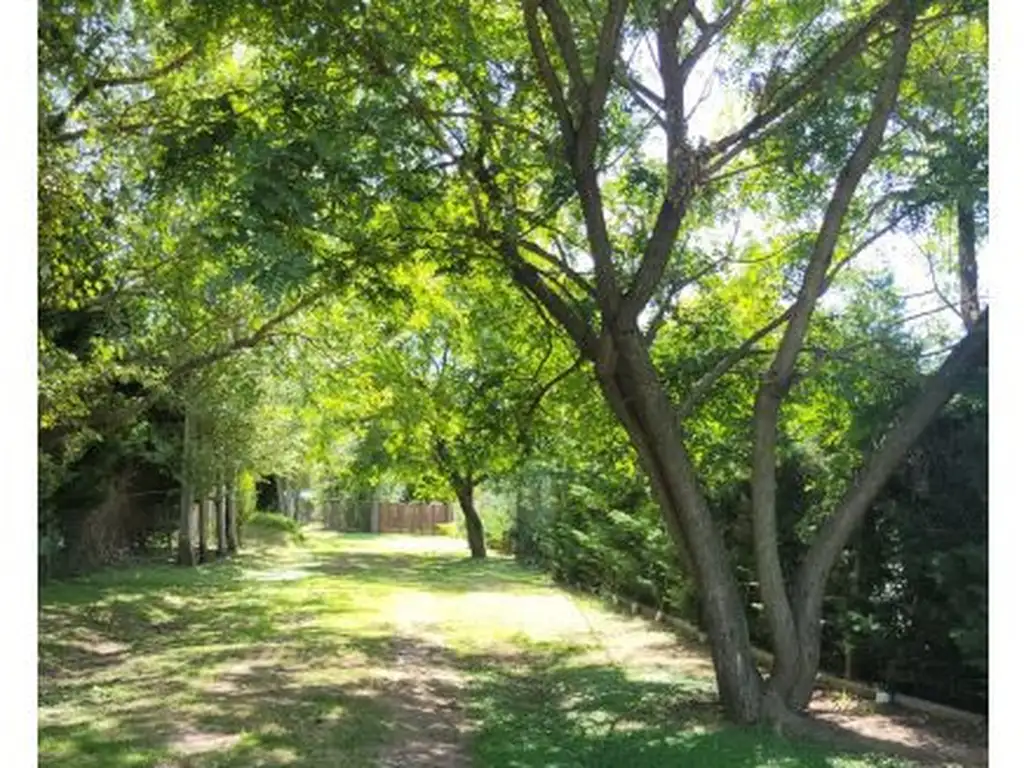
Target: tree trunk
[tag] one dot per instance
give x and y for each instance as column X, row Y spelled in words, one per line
column 231, row 516
column 970, row 305
column 222, row 521
column 279, row 485
column 204, row 521
column 631, row 386
column 474, row 526
column 186, row 555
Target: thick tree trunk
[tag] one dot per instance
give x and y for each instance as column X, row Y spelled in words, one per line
column 474, row 525
column 222, row 521
column 631, row 386
column 231, row 516
column 204, row 522
column 186, row 555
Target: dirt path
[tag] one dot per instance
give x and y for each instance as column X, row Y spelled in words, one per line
column 423, row 693
column 423, row 690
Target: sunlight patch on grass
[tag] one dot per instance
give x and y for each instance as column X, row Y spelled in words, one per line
column 326, row 653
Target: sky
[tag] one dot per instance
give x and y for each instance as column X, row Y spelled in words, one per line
column 720, row 110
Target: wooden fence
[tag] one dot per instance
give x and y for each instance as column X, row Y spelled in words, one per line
column 414, row 517
column 347, row 515
column 385, row 516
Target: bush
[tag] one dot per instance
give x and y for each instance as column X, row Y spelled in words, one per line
column 449, row 529
column 274, row 525
column 246, row 497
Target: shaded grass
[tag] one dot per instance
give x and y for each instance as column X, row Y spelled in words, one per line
column 277, row 658
column 552, row 712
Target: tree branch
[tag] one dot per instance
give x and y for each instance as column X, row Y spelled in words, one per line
column 561, row 26
column 246, row 342
column 545, row 388
column 939, row 387
column 842, row 196
column 575, row 277
column 549, row 77
column 778, row 379
column 531, row 280
column 608, row 43
column 56, row 121
column 708, row 34
column 730, row 145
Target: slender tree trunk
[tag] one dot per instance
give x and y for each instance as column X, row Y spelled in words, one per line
column 280, row 487
column 849, row 645
column 231, row 515
column 186, row 555
column 204, row 521
column 474, row 525
column 222, row 521
column 970, row 304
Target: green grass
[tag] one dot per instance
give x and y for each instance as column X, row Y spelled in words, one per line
column 294, row 655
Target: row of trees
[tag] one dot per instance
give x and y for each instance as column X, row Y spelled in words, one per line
column 376, row 239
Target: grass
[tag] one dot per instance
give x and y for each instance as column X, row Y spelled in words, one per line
column 350, row 650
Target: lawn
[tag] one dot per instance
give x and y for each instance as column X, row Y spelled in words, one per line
column 372, row 651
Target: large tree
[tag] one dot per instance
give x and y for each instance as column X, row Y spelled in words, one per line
column 524, row 152
column 460, row 385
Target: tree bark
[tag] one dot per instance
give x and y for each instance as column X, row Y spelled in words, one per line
column 631, row 387
column 186, row 555
column 204, row 517
column 777, row 380
column 222, row 521
column 474, row 525
column 231, row 516
column 834, row 534
column 970, row 305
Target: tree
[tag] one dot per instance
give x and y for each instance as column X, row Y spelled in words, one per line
column 599, row 293
column 464, row 381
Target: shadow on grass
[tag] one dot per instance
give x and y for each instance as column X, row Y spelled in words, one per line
column 541, row 707
column 159, row 665
column 164, row 666
column 430, row 572
column 266, row 720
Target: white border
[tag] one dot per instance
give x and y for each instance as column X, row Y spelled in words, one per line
column 1006, row 527
column 18, row 374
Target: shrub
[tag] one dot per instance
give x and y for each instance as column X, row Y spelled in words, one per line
column 274, row 525
column 449, row 529
column 246, row 497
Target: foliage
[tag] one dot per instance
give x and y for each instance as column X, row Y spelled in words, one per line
column 907, row 599
column 450, row 530
column 262, row 523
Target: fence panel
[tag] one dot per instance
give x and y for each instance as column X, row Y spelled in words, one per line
column 416, row 517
